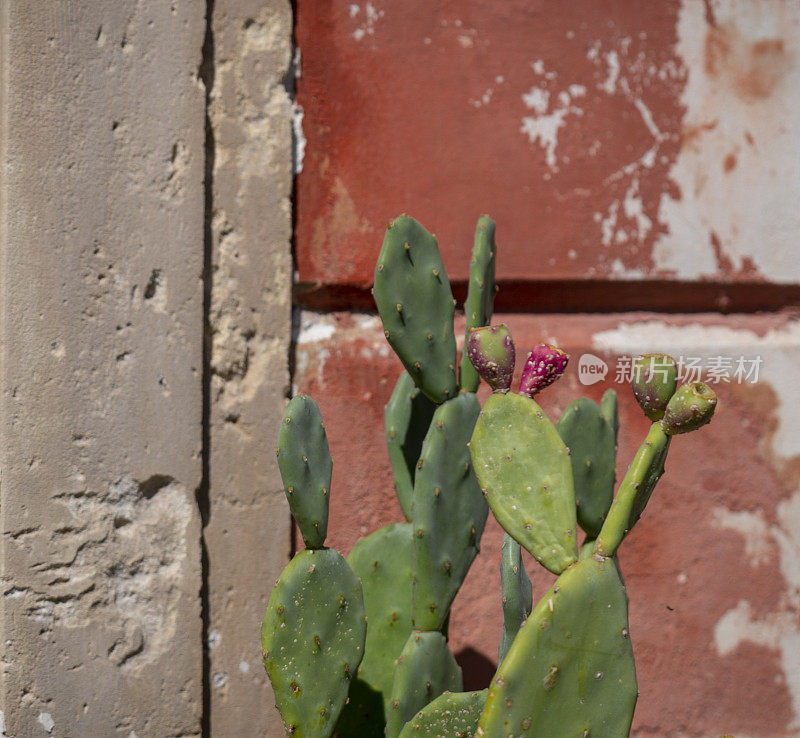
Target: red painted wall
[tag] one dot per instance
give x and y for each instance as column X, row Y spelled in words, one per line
column 636, row 157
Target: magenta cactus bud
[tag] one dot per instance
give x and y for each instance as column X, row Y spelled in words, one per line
column 544, row 365
column 491, row 351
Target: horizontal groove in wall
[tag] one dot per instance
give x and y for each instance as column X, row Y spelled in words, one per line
column 585, row 296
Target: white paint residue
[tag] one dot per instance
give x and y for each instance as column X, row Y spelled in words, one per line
column 214, row 638
column 2, row 725
column 299, row 139
column 738, row 173
column 46, row 721
column 610, row 84
column 372, row 16
column 754, row 530
column 315, row 327
column 537, row 100
column 542, row 127
column 244, row 667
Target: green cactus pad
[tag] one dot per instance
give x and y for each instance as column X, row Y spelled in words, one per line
column 517, row 592
column 523, row 467
column 305, row 464
column 570, row 670
column 406, row 418
column 634, row 490
column 592, row 453
column 312, row 639
column 449, row 511
column 415, row 303
column 452, row 714
column 383, row 561
column 425, row 669
column 610, row 410
column 479, row 304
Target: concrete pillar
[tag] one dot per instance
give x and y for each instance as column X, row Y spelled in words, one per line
column 247, row 533
column 101, row 298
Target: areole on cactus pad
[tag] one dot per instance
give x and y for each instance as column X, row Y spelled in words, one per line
column 360, row 647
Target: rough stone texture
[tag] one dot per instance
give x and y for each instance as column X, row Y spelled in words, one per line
column 247, row 534
column 609, row 139
column 101, row 337
column 713, row 566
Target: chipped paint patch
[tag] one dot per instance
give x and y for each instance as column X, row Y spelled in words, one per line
column 543, row 125
column 754, row 530
column 736, row 214
column 370, row 17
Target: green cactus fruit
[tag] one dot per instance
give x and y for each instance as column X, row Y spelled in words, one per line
column 491, row 351
column 610, row 410
column 479, row 304
column 312, row 639
column 524, row 470
column 654, row 380
column 452, row 714
column 592, row 453
column 517, row 592
column 449, row 511
column 305, row 464
column 634, row 490
column 691, row 407
column 406, row 418
column 570, row 670
column 383, row 561
column 415, row 303
column 425, row 669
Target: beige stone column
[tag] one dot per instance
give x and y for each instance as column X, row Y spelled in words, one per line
column 247, row 530
column 101, row 298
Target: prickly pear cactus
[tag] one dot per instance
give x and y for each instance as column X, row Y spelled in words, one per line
column 407, row 418
column 305, row 464
column 453, row 714
column 570, row 671
column 384, row 563
column 524, row 469
column 425, row 669
column 449, row 512
column 416, row 305
column 479, row 305
column 592, row 446
column 312, row 639
column 517, row 594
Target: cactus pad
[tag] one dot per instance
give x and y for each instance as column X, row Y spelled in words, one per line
column 592, row 453
column 449, row 512
column 383, row 562
column 570, row 670
column 406, row 418
column 517, row 592
column 610, row 410
column 415, row 303
column 305, row 464
column 452, row 714
column 634, row 490
column 425, row 669
column 479, row 304
column 523, row 467
column 312, row 639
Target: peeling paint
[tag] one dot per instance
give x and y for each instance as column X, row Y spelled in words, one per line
column 741, row 108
